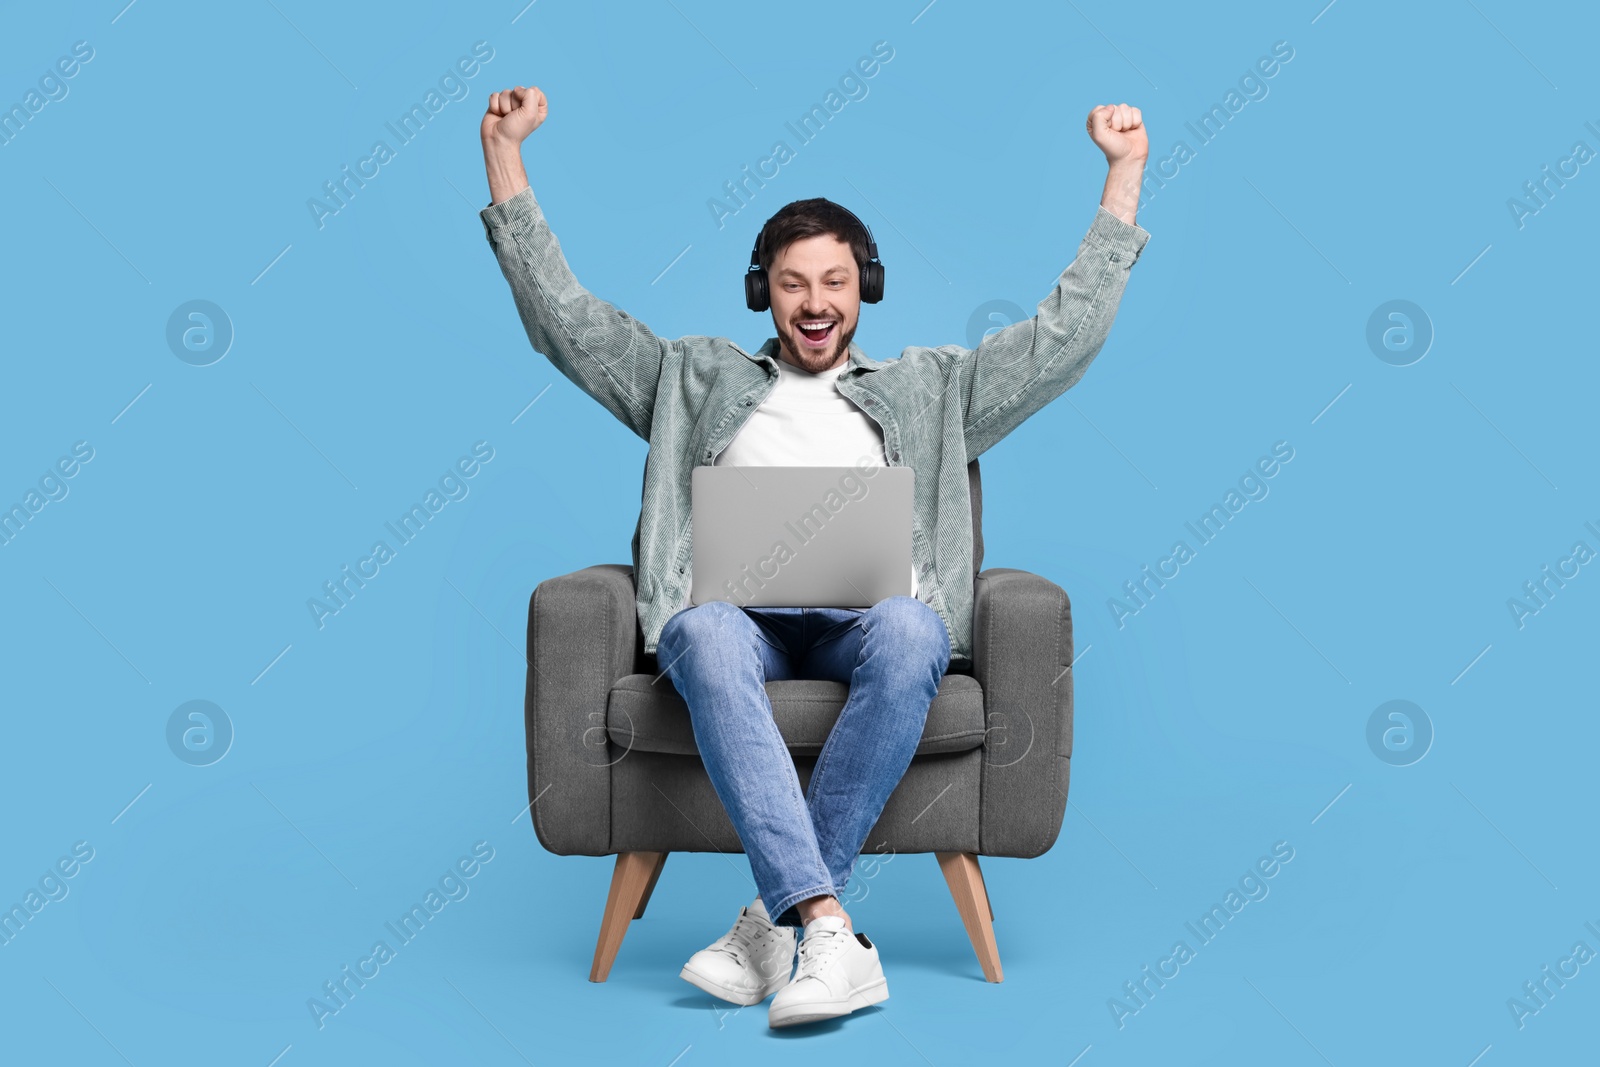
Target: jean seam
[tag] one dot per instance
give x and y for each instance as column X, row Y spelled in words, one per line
column 761, row 635
column 799, row 797
column 822, row 756
column 811, row 650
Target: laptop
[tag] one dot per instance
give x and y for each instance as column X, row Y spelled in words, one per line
column 801, row 537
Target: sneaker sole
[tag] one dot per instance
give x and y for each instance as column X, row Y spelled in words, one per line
column 818, row 1011
column 722, row 992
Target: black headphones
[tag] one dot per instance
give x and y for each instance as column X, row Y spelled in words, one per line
column 757, row 296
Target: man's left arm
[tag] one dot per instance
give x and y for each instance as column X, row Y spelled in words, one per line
column 1016, row 371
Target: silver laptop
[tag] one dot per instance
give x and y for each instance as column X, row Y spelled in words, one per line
column 801, row 537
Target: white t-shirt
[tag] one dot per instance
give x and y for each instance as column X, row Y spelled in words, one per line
column 806, row 422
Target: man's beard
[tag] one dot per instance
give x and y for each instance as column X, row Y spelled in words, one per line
column 817, row 360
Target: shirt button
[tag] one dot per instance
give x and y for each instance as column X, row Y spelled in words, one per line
column 746, row 401
column 895, row 456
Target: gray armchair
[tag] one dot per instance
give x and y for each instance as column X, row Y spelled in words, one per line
column 613, row 768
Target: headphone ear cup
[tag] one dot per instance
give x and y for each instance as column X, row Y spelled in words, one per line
column 755, row 291
column 872, row 283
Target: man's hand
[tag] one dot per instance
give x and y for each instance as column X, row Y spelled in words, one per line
column 512, row 115
column 1118, row 129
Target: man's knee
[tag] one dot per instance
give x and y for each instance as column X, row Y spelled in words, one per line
column 909, row 622
column 700, row 622
column 713, row 632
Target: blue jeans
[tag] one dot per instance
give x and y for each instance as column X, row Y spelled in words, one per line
column 892, row 654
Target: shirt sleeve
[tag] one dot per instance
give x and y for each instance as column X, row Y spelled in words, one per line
column 600, row 348
column 1016, row 371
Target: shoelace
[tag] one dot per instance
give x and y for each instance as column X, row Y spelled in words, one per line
column 742, row 941
column 819, row 948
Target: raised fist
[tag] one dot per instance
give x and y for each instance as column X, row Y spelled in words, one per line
column 1119, row 131
column 513, row 114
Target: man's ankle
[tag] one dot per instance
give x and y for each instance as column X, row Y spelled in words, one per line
column 815, row 907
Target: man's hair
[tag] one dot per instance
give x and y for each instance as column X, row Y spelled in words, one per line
column 812, row 218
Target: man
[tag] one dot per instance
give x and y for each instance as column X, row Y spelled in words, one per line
column 808, row 396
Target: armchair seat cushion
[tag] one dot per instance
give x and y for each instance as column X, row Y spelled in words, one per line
column 649, row 715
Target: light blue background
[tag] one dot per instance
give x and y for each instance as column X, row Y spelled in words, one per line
column 1224, row 717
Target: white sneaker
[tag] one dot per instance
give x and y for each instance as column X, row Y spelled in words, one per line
column 838, row 973
column 747, row 964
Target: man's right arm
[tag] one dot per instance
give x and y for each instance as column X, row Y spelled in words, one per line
column 598, row 347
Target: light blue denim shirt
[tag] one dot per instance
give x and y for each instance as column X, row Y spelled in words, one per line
column 938, row 408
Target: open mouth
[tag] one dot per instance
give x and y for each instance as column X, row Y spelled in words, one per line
column 816, row 333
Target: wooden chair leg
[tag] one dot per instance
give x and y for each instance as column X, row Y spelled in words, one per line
column 985, row 887
column 965, row 879
column 631, row 881
column 650, row 886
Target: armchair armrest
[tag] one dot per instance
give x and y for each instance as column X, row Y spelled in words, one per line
column 1021, row 647
column 583, row 635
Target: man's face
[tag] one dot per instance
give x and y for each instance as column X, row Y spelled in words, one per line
column 815, row 281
